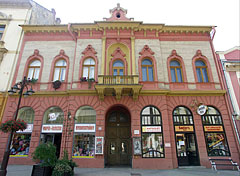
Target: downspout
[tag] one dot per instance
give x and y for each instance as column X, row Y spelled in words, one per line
column 230, row 96
column 74, row 37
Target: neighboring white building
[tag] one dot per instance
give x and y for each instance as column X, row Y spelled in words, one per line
column 230, row 63
column 12, row 14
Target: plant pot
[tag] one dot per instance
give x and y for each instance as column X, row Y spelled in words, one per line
column 67, row 174
column 41, row 171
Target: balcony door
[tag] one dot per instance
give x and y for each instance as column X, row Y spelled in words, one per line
column 118, row 68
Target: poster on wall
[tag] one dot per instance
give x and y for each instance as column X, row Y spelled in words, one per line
column 137, row 146
column 99, row 145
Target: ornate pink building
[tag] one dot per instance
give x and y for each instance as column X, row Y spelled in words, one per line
column 122, row 92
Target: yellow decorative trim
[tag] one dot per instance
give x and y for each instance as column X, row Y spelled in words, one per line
column 133, row 55
column 3, row 102
column 18, row 156
column 82, row 156
column 183, row 93
column 103, row 55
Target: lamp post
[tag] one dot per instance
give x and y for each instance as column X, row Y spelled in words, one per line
column 17, row 88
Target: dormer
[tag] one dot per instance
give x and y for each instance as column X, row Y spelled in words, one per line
column 118, row 14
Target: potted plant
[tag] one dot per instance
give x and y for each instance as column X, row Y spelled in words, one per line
column 13, row 126
column 45, row 155
column 62, row 168
column 70, row 162
column 90, row 81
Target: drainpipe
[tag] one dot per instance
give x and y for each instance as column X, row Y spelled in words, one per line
column 230, row 96
column 74, row 37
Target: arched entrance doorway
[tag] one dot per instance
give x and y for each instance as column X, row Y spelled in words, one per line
column 118, row 137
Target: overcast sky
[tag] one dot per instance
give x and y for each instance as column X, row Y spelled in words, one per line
column 221, row 13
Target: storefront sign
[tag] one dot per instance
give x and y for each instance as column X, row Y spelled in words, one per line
column 52, row 128
column 202, row 109
column 148, row 129
column 136, row 131
column 183, row 128
column 27, row 130
column 213, row 128
column 84, row 128
column 99, row 145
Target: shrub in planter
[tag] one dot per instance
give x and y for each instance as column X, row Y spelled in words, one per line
column 45, row 155
column 62, row 168
column 70, row 162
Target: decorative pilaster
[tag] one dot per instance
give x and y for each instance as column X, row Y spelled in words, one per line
column 103, row 55
column 133, row 55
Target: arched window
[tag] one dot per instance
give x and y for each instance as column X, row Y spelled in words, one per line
column 26, row 114
column 152, row 137
column 34, row 69
column 88, row 68
column 147, row 70
column 214, row 133
column 201, row 69
column 60, row 70
column 182, row 116
column 176, row 71
column 118, row 68
column 53, row 115
column 21, row 139
column 85, row 114
column 84, row 133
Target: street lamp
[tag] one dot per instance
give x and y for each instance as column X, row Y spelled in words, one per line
column 18, row 87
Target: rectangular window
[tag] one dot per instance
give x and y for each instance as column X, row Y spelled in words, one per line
column 152, row 145
column 144, row 73
column 179, row 75
column 199, row 75
column 216, row 144
column 84, row 145
column 2, row 27
column 173, row 75
column 20, row 145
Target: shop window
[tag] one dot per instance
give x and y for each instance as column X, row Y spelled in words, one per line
column 182, row 116
column 53, row 115
column 34, row 69
column 147, row 70
column 60, row 70
column 2, row 28
column 88, row 68
column 176, row 71
column 152, row 137
column 21, row 139
column 118, row 68
column 201, row 70
column 215, row 136
column 84, row 133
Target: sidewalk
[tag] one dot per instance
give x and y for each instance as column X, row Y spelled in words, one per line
column 25, row 170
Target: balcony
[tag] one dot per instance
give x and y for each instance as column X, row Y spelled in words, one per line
column 118, row 86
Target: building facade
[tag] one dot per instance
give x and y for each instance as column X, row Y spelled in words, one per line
column 12, row 14
column 121, row 92
column 230, row 66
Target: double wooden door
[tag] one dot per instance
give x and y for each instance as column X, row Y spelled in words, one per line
column 118, row 139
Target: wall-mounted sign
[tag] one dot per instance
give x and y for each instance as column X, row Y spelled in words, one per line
column 213, row 128
column 183, row 128
column 53, row 116
column 99, row 141
column 27, row 130
column 202, row 109
column 148, row 129
column 136, row 131
column 52, row 128
column 137, row 146
column 84, row 128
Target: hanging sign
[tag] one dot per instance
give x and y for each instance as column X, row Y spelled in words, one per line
column 52, row 128
column 53, row 116
column 213, row 128
column 202, row 109
column 84, row 128
column 27, row 130
column 148, row 129
column 183, row 128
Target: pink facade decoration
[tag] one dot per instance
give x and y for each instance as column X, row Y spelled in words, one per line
column 147, row 53
column 177, row 85
column 118, row 14
column 202, row 85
